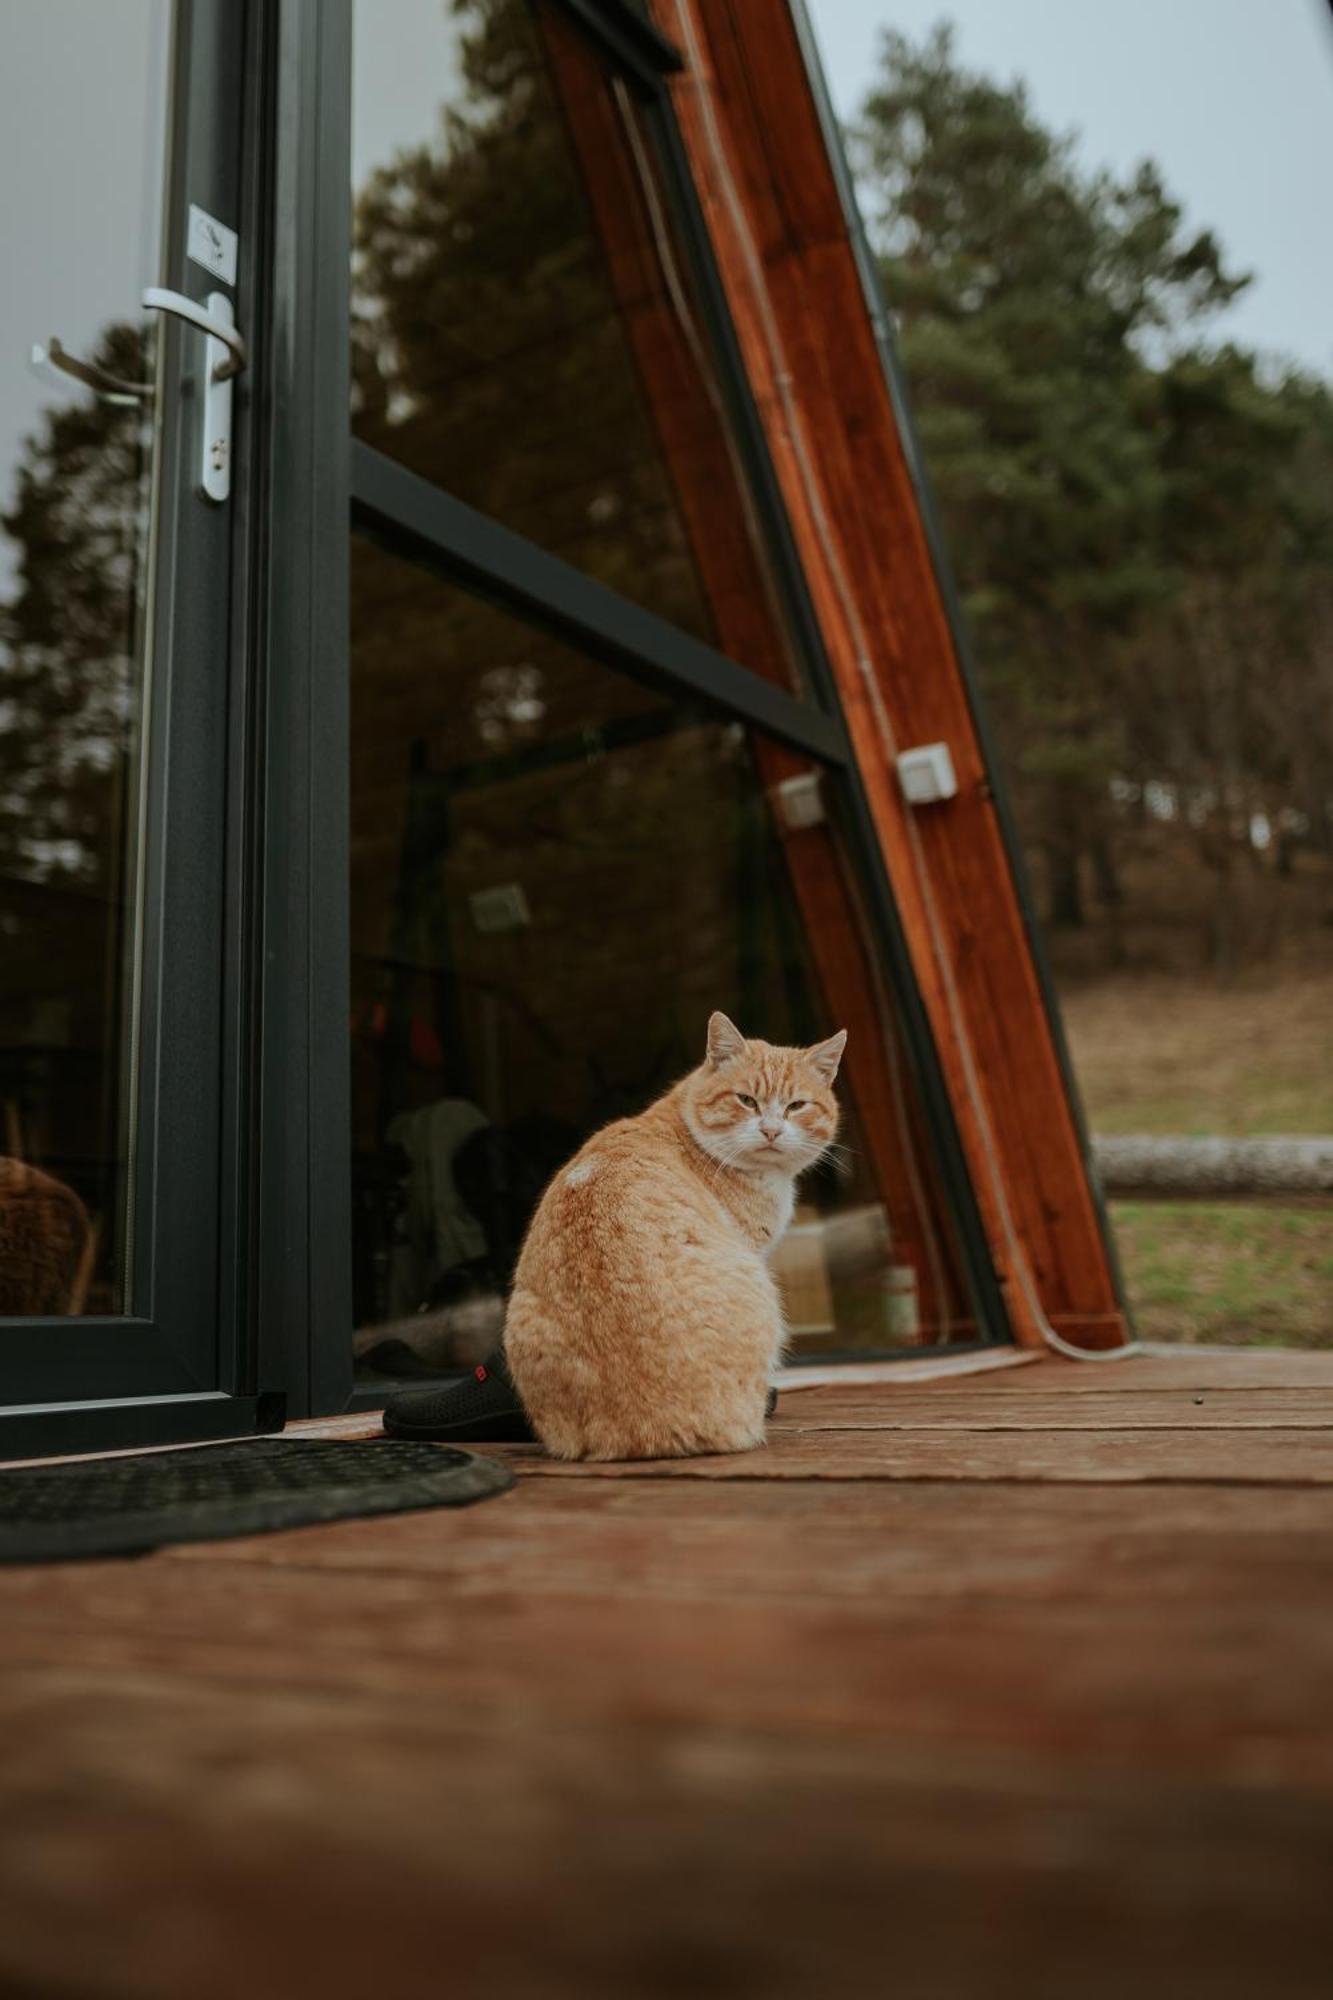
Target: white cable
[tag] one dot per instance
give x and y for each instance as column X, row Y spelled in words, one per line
column 851, row 612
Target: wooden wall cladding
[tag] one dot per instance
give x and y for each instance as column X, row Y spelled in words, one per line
column 753, row 136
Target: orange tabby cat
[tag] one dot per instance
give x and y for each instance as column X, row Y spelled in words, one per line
column 644, row 1321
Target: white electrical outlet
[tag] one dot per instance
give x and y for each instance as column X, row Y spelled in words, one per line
column 800, row 801
column 926, row 774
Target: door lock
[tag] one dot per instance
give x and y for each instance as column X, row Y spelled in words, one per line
column 225, row 354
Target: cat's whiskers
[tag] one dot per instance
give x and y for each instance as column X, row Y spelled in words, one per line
column 724, row 1154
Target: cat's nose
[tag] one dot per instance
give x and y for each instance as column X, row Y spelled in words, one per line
column 771, row 1127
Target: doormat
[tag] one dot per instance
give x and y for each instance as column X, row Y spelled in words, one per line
column 126, row 1506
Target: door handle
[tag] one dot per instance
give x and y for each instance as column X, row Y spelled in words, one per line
column 225, row 354
column 107, row 387
column 210, row 320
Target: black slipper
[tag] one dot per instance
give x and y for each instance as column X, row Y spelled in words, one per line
column 485, row 1408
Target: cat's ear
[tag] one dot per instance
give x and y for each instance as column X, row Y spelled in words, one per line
column 827, row 1055
column 725, row 1040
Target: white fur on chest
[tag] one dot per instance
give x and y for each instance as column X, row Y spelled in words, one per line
column 784, row 1201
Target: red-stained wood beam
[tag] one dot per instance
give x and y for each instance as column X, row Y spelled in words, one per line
column 758, row 155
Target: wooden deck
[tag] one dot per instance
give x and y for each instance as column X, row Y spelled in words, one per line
column 1007, row 1685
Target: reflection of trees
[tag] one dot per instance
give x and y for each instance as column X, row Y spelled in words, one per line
column 68, row 636
column 70, row 645
column 488, row 353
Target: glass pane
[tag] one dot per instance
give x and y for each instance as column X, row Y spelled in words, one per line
column 525, row 329
column 555, row 877
column 83, row 97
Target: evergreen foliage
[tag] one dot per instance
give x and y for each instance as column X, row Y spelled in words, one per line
column 1140, row 513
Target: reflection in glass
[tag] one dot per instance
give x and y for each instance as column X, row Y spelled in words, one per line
column 526, row 331
column 555, row 877
column 82, row 132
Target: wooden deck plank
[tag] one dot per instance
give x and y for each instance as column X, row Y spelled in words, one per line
column 674, row 1735
column 1180, row 1368
column 932, row 1633
column 208, row 1846
column 1232, row 1457
column 858, row 1539
column 926, row 1408
column 916, row 1668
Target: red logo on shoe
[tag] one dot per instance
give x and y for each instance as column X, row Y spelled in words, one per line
column 479, row 1372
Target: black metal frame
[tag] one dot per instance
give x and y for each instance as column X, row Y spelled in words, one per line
column 302, row 1275
column 629, row 37
column 179, row 1364
column 424, row 524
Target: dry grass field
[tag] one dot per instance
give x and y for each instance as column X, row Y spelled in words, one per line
column 1168, row 1054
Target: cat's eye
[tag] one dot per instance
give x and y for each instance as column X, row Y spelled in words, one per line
column 797, row 1104
column 749, row 1102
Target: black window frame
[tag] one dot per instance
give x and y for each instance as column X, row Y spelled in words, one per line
column 322, row 485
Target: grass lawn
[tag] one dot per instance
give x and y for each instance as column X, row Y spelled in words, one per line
column 1249, row 1276
column 1173, row 1056
column 1185, row 1057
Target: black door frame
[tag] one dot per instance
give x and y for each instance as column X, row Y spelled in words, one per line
column 183, row 1362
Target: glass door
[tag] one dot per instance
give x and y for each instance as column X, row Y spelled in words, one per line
column 599, row 782
column 120, row 378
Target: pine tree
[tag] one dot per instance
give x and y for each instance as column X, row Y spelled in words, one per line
column 1140, row 520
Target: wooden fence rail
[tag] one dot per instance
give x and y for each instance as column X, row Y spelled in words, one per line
column 1170, row 1169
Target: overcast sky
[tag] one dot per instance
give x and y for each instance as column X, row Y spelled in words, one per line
column 1233, row 98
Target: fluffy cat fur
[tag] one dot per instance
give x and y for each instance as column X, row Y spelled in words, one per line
column 644, row 1322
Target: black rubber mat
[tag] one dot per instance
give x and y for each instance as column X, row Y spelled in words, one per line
column 124, row 1506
